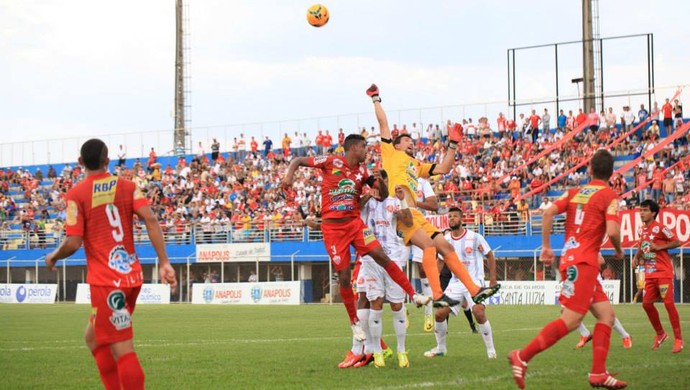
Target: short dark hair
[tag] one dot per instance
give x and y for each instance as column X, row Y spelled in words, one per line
column 602, row 164
column 454, row 209
column 400, row 137
column 94, row 154
column 651, row 205
column 351, row 140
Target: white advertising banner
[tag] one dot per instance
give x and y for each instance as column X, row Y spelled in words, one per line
column 268, row 293
column 542, row 293
column 249, row 251
column 28, row 293
column 149, row 294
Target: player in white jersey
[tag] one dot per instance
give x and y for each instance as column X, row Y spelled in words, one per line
column 381, row 217
column 426, row 202
column 472, row 249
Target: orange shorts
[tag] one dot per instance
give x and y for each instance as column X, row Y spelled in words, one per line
column 338, row 237
column 111, row 313
column 418, row 222
column 658, row 289
column 581, row 288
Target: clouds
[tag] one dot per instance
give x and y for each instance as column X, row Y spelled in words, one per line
column 83, row 67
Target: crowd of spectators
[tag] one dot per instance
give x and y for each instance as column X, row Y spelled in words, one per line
column 235, row 189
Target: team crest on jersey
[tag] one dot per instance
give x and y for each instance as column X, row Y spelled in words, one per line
column 368, row 236
column 336, row 171
column 338, row 163
column 571, row 273
column 655, row 229
column 121, row 261
column 571, row 243
column 72, row 213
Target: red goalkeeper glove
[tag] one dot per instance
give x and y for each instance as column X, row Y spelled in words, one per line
column 373, row 93
column 455, row 134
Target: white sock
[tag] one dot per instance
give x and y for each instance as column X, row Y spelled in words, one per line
column 441, row 330
column 485, row 330
column 376, row 329
column 359, row 347
column 399, row 322
column 584, row 332
column 426, row 290
column 619, row 328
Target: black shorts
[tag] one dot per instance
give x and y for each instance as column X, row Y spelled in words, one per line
column 668, row 122
column 214, row 155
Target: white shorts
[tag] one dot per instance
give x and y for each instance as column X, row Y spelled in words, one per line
column 457, row 291
column 376, row 283
column 416, row 253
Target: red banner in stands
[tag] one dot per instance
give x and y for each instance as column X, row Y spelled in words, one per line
column 676, row 220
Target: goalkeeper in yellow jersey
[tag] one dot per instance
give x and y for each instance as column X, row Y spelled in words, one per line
column 404, row 170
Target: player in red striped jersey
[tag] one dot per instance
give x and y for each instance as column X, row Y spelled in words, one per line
column 655, row 241
column 100, row 213
column 591, row 213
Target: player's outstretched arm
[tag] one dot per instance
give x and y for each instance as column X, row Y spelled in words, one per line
column 454, row 136
column 66, row 249
column 373, row 92
column 429, row 203
column 290, row 174
column 153, row 229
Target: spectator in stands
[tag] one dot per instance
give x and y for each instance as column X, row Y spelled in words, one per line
column 277, row 273
column 121, row 156
column 306, row 141
column 66, row 172
column 593, row 120
column 286, row 142
column 252, row 278
column 268, row 145
column 667, row 110
column 51, row 172
column 608, row 273
column 562, row 119
column 546, row 122
column 642, row 114
column 534, row 121
column 318, row 141
column 242, row 148
column 215, row 150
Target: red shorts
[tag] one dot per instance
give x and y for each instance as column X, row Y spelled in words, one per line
column 581, row 288
column 339, row 236
column 111, row 313
column 658, row 289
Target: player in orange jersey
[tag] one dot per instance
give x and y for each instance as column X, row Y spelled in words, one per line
column 100, row 211
column 591, row 212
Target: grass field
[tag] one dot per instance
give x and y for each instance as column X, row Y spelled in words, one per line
column 224, row 347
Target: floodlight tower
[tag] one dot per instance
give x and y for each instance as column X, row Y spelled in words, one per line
column 182, row 132
column 591, row 56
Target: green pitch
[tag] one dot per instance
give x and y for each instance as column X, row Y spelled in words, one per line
column 297, row 347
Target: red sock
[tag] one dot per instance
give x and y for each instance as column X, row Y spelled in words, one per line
column 107, row 367
column 399, row 277
column 383, row 344
column 349, row 301
column 549, row 335
column 131, row 373
column 675, row 319
column 653, row 316
column 601, row 340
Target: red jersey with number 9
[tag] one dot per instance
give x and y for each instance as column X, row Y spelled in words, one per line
column 587, row 210
column 100, row 209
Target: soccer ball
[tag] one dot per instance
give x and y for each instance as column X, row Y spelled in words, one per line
column 318, row 15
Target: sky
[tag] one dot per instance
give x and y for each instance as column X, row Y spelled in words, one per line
column 71, row 70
